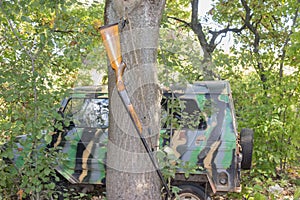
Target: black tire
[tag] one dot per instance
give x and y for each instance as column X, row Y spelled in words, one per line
column 247, row 148
column 191, row 192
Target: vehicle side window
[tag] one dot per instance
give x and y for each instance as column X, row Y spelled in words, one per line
column 170, row 113
column 182, row 114
column 193, row 116
column 91, row 113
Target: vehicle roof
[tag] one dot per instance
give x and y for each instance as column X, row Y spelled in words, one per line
column 94, row 91
column 200, row 87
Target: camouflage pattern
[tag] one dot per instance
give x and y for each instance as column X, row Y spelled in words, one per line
column 206, row 134
column 85, row 151
column 84, row 142
column 213, row 144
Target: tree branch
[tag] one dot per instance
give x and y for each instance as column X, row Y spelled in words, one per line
column 228, row 29
column 180, row 20
column 294, row 24
column 216, row 34
column 28, row 53
column 250, row 26
column 72, row 31
column 198, row 30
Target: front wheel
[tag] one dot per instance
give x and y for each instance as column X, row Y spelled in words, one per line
column 191, row 192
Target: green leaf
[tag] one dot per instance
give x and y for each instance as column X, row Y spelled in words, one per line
column 48, row 138
column 51, row 186
column 258, row 196
column 26, row 19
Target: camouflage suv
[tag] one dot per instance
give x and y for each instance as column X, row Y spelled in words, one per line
column 199, row 120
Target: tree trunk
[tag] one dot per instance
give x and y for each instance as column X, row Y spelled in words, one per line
column 130, row 173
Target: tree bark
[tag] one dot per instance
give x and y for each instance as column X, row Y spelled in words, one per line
column 130, row 174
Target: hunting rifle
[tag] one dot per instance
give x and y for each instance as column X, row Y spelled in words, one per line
column 111, row 40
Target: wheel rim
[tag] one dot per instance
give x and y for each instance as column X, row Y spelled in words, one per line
column 188, row 196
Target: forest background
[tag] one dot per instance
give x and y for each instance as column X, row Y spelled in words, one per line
column 48, row 47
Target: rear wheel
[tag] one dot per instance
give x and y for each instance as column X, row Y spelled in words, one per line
column 191, row 192
column 247, row 147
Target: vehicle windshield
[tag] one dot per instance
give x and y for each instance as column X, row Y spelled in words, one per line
column 91, row 113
